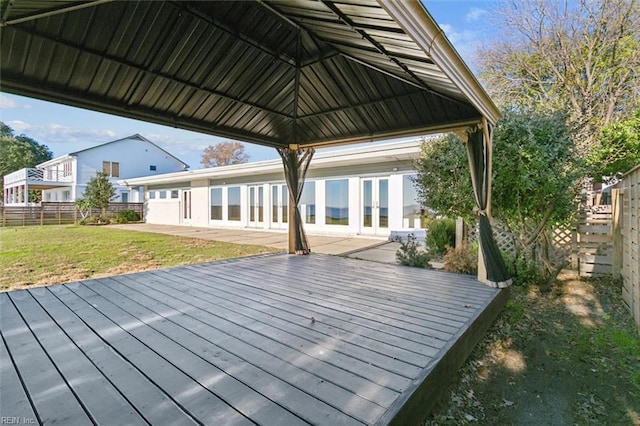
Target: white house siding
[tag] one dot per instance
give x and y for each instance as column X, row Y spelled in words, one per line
column 171, row 211
column 165, row 207
column 135, row 157
column 198, row 199
column 389, row 165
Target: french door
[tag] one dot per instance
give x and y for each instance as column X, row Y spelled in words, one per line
column 256, row 206
column 279, row 206
column 375, row 206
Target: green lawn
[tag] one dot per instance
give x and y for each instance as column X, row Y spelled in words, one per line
column 40, row 255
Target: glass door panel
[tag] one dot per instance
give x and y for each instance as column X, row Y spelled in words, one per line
column 186, row 205
column 367, row 203
column 383, row 203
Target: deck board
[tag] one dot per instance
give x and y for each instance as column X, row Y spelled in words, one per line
column 268, row 339
column 326, row 311
column 51, row 396
column 272, row 340
column 380, row 309
column 153, row 403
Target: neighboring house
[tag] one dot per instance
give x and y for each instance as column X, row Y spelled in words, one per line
column 65, row 178
column 358, row 191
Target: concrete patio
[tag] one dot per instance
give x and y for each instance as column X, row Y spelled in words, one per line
column 323, row 244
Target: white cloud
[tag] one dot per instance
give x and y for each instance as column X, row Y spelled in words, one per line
column 18, row 126
column 466, row 42
column 63, row 138
column 59, row 133
column 7, row 103
column 475, row 14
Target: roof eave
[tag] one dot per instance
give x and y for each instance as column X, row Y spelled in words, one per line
column 55, row 160
column 404, row 150
column 414, row 19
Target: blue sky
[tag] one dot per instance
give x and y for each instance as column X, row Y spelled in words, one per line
column 66, row 129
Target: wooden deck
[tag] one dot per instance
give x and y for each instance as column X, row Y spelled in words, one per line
column 271, row 340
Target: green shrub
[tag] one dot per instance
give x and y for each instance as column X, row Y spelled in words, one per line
column 440, row 235
column 126, row 216
column 463, row 259
column 102, row 219
column 525, row 272
column 410, row 254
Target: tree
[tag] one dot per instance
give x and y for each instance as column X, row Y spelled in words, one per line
column 98, row 194
column 618, row 150
column 443, row 182
column 534, row 187
column 19, row 152
column 224, row 154
column 579, row 57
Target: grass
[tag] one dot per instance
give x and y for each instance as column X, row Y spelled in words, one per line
column 41, row 255
column 567, row 356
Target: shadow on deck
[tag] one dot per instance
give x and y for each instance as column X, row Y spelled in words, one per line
column 271, row 340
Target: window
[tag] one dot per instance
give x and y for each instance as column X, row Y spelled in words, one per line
column 307, row 203
column 152, row 195
column 124, row 197
column 163, row 195
column 174, row 193
column 66, row 167
column 233, row 203
column 216, row 203
column 111, row 169
column 152, row 168
column 337, row 199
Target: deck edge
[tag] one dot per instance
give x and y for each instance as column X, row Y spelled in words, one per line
column 416, row 402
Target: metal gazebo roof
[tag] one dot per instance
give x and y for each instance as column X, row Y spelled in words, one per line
column 278, row 73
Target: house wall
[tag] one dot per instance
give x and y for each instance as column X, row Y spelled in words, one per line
column 163, row 206
column 162, row 209
column 134, row 157
column 200, row 202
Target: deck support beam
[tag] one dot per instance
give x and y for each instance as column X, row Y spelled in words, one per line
column 296, row 162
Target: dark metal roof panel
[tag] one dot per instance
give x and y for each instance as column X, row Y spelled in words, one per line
column 276, row 72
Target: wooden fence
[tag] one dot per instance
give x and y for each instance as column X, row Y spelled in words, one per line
column 594, row 241
column 52, row 213
column 626, row 232
column 587, row 245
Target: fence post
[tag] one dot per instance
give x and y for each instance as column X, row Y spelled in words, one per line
column 575, row 254
column 616, row 210
column 59, row 218
column 41, row 214
column 461, row 235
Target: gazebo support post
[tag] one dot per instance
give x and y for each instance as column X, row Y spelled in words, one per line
column 491, row 267
column 296, row 162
